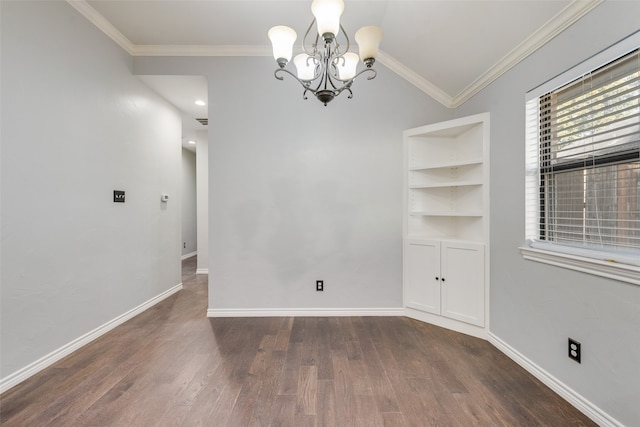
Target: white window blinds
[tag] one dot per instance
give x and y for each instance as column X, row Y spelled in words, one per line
column 589, row 159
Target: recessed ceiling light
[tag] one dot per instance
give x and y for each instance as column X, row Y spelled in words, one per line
column 191, row 142
column 200, row 102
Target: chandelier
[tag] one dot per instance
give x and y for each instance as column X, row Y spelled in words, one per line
column 326, row 70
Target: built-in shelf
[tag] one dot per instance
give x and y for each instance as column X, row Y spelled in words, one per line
column 446, row 175
column 450, row 213
column 442, row 165
column 445, row 184
column 446, row 224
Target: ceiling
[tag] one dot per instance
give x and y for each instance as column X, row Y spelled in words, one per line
column 450, row 49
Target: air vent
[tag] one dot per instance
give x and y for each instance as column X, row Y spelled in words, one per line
column 204, row 121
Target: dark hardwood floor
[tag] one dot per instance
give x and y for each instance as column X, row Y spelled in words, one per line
column 172, row 366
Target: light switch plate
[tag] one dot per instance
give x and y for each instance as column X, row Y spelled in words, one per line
column 118, row 196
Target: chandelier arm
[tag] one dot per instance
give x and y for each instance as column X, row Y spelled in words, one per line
column 330, row 79
column 305, row 84
column 350, row 93
column 375, row 73
column 333, row 70
column 314, row 46
column 337, row 51
column 275, row 73
column 348, row 83
column 336, row 90
column 328, row 63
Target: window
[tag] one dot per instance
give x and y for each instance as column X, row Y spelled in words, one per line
column 583, row 167
column 589, row 159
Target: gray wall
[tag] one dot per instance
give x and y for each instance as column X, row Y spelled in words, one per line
column 76, row 125
column 535, row 307
column 299, row 191
column 189, row 212
column 202, row 189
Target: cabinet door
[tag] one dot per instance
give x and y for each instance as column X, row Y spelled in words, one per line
column 463, row 282
column 421, row 276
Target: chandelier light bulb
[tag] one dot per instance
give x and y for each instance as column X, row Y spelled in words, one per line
column 327, row 14
column 306, row 66
column 368, row 39
column 347, row 65
column 282, row 39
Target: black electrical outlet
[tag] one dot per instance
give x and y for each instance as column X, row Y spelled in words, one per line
column 118, row 196
column 574, row 350
column 319, row 285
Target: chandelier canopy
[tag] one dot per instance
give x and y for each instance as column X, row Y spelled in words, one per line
column 326, row 70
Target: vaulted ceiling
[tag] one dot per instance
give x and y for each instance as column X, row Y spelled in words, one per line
column 450, row 49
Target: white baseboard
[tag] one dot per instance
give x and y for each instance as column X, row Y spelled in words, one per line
column 46, row 361
column 189, row 255
column 445, row 322
column 202, row 271
column 589, row 409
column 583, row 405
column 304, row 312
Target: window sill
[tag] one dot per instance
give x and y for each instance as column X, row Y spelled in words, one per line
column 609, row 269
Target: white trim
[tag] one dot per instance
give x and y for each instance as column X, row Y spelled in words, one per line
column 560, row 22
column 202, row 271
column 22, row 374
column 415, row 79
column 447, row 323
column 189, row 255
column 621, row 267
column 303, row 312
column 582, row 404
column 565, row 18
column 609, row 269
column 103, row 24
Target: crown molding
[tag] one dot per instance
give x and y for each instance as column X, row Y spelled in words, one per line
column 414, row 78
column 105, row 26
column 557, row 24
column 561, row 21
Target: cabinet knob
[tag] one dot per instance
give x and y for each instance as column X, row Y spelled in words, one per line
column 443, row 279
column 437, row 278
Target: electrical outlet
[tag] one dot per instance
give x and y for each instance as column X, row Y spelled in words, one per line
column 574, row 350
column 319, row 285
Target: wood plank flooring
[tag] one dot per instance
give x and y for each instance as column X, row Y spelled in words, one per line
column 172, row 366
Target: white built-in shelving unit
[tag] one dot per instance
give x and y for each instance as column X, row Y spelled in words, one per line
column 446, row 223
